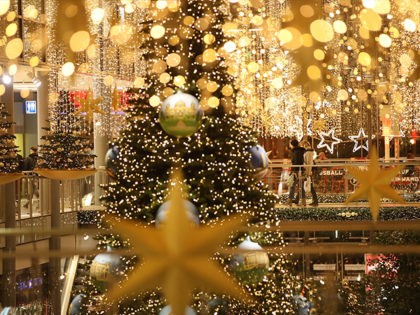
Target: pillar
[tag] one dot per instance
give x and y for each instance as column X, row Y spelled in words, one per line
column 8, row 283
column 42, row 117
column 54, row 268
column 100, row 149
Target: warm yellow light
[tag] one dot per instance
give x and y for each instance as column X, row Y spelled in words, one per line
column 410, row 25
column 179, row 80
column 173, row 40
column 120, row 34
column 143, row 4
column 227, row 90
column 382, row 6
column 11, row 29
column 369, row 4
column 34, row 61
column 209, row 55
column 364, row 32
column 319, row 54
column 157, row 31
column 314, row 96
column 108, row 80
column 229, row 46
column 14, row 48
column 67, row 69
column 164, row 78
column 257, row 20
column 322, row 31
column 173, row 60
column 277, row 83
column 209, row 39
column 244, row 41
column 139, row 83
column 313, row 72
column 230, row 28
column 154, row 101
column 30, row 12
column 307, row 11
column 2, row 89
column 159, row 66
column 4, row 6
column 79, row 41
column 11, row 16
column 340, row 27
column 24, row 93
column 97, row 15
column 188, row 20
column 370, row 20
column 129, row 8
column 385, row 40
column 12, row 69
column 364, row 59
column 342, row 95
column 284, row 35
column 213, row 102
column 161, row 4
column 253, row 67
column 212, row 86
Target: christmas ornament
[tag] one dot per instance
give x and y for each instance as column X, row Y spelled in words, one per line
column 105, row 267
column 252, row 266
column 76, row 304
column 374, row 184
column 110, row 157
column 324, row 142
column 192, row 212
column 180, row 115
column 259, row 161
column 359, row 141
column 168, row 311
column 176, row 256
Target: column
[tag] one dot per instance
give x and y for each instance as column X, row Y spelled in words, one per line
column 42, row 117
column 54, row 268
column 8, row 281
column 100, row 149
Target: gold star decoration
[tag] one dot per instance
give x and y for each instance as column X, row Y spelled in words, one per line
column 374, row 184
column 176, row 256
column 89, row 105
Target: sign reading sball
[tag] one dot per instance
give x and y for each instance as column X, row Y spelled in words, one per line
column 180, row 115
column 259, row 161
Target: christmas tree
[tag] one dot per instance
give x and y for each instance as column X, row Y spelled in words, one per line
column 68, row 144
column 9, row 162
column 184, row 47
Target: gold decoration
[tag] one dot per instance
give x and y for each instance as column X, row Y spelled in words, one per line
column 176, row 256
column 9, row 178
column 89, row 105
column 65, row 174
column 374, row 184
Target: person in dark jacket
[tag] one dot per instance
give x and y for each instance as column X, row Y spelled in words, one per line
column 30, row 161
column 297, row 157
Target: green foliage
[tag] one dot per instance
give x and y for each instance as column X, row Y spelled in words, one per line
column 9, row 162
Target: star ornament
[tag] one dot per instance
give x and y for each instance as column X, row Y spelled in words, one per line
column 89, row 105
column 374, row 184
column 359, row 142
column 176, row 256
column 329, row 144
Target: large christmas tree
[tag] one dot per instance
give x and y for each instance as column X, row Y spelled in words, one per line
column 184, row 49
column 68, row 145
column 9, row 162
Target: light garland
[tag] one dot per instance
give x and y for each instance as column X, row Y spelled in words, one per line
column 328, row 140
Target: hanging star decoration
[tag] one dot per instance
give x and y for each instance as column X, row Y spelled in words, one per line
column 374, row 184
column 115, row 101
column 331, row 135
column 359, row 142
column 176, row 256
column 89, row 105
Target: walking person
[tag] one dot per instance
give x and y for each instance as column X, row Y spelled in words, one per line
column 298, row 172
column 309, row 162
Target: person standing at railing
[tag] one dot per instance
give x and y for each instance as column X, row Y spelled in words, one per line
column 297, row 153
column 309, row 158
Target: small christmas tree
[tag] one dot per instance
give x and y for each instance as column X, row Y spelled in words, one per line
column 9, row 161
column 68, row 144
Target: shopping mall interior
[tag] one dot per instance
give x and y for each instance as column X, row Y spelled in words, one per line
column 209, row 157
